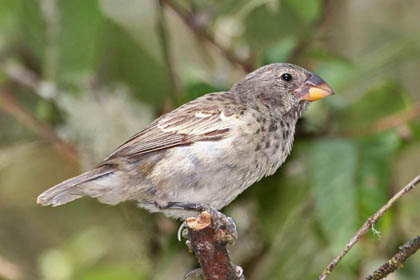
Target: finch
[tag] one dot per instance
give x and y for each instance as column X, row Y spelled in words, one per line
column 206, row 152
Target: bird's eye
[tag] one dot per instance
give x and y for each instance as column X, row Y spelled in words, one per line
column 286, row 77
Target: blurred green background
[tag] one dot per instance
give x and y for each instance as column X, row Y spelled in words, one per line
column 77, row 77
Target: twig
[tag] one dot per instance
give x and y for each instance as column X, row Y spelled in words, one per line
column 29, row 79
column 209, row 246
column 305, row 43
column 11, row 106
column 164, row 40
column 392, row 121
column 396, row 120
column 366, row 226
column 22, row 75
column 397, row 260
column 201, row 32
column 51, row 15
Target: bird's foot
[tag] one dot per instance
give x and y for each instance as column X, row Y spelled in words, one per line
column 180, row 232
column 196, row 273
column 239, row 271
column 220, row 220
column 226, row 223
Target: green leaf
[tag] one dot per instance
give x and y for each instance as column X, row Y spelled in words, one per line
column 48, row 111
column 125, row 60
column 80, row 32
column 376, row 155
column 334, row 173
column 259, row 25
column 283, row 193
column 196, row 89
column 55, row 264
column 381, row 101
column 307, row 10
column 32, row 29
column 295, row 242
column 8, row 18
column 336, row 70
column 280, row 51
column 88, row 247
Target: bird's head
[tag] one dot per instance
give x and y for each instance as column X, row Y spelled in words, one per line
column 282, row 87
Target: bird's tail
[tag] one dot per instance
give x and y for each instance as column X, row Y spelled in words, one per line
column 69, row 190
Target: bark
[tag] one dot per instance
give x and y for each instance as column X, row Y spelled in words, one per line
column 209, row 245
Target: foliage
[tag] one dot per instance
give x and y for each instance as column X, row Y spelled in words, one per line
column 101, row 75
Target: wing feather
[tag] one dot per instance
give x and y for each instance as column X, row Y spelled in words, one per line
column 183, row 126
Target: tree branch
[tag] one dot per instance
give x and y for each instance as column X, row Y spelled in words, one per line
column 388, row 122
column 366, row 226
column 202, row 32
column 10, row 105
column 397, row 260
column 306, row 41
column 164, row 40
column 397, row 119
column 209, row 246
column 28, row 78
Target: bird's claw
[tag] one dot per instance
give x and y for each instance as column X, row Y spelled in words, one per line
column 195, row 272
column 239, row 271
column 180, row 231
column 221, row 221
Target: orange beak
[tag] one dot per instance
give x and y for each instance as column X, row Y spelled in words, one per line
column 316, row 88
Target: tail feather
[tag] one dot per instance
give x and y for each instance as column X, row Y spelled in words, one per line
column 67, row 191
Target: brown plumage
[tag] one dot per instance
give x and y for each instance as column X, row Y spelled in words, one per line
column 207, row 151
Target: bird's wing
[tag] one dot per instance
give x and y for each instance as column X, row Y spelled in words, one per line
column 188, row 124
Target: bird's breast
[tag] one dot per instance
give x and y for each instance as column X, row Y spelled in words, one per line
column 277, row 146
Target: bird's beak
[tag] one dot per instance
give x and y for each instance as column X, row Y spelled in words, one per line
column 316, row 88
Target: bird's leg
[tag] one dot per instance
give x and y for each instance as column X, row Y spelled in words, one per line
column 220, row 220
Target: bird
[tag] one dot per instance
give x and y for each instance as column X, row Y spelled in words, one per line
column 205, row 153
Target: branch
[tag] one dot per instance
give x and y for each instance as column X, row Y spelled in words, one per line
column 397, row 260
column 397, row 119
column 366, row 226
column 202, row 32
column 305, row 43
column 28, row 78
column 10, row 105
column 51, row 15
column 388, row 122
column 22, row 75
column 209, row 246
column 164, row 40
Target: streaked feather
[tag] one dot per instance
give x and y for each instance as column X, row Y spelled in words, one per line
column 187, row 124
